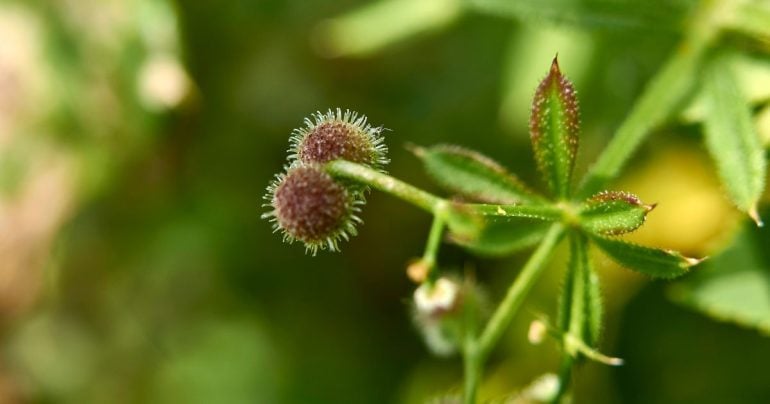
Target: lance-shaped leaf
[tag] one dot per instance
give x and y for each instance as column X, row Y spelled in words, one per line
column 473, row 175
column 652, row 15
column 378, row 24
column 554, row 126
column 504, row 236
column 732, row 139
column 649, row 261
column 543, row 211
column 507, row 228
column 611, row 213
column 580, row 306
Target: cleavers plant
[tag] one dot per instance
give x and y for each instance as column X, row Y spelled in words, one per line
column 338, row 156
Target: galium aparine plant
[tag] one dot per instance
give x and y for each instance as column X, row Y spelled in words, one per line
column 337, row 156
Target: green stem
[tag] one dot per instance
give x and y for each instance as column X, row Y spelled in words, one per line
column 575, row 310
column 565, row 377
column 431, row 248
column 517, row 291
column 579, row 280
column 663, row 94
column 472, row 364
column 387, row 184
column 477, row 350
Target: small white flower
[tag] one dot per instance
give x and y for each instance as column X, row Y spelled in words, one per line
column 439, row 297
column 544, row 388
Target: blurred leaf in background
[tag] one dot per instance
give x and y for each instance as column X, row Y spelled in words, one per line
column 734, row 286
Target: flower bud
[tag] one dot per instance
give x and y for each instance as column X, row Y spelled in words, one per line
column 446, row 310
column 417, row 270
column 437, row 314
column 537, row 332
column 310, row 206
column 338, row 135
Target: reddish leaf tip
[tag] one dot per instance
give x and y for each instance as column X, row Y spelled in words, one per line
column 608, row 196
column 555, row 65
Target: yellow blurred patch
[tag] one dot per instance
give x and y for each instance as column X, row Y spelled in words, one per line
column 693, row 215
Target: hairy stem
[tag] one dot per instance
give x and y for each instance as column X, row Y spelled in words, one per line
column 579, row 280
column 387, row 184
column 476, row 351
column 518, row 290
column 436, row 205
column 575, row 310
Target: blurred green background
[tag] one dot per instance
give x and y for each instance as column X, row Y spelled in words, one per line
column 137, row 138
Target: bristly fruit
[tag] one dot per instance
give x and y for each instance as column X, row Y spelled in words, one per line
column 554, row 127
column 338, row 135
column 311, row 207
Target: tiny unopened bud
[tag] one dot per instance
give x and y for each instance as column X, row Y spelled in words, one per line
column 311, row 207
column 440, row 297
column 537, row 332
column 338, row 135
column 417, row 270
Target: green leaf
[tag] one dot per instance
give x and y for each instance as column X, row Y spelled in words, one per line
column 731, row 137
column 506, row 228
column 541, row 212
column 463, row 223
column 611, row 213
column 629, row 14
column 751, row 18
column 580, row 311
column 504, row 236
column 554, row 125
column 649, row 261
column 752, row 74
column 376, row 25
column 734, row 286
column 473, row 175
column 662, row 97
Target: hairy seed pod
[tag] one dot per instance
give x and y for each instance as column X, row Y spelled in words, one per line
column 338, row 135
column 311, row 207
